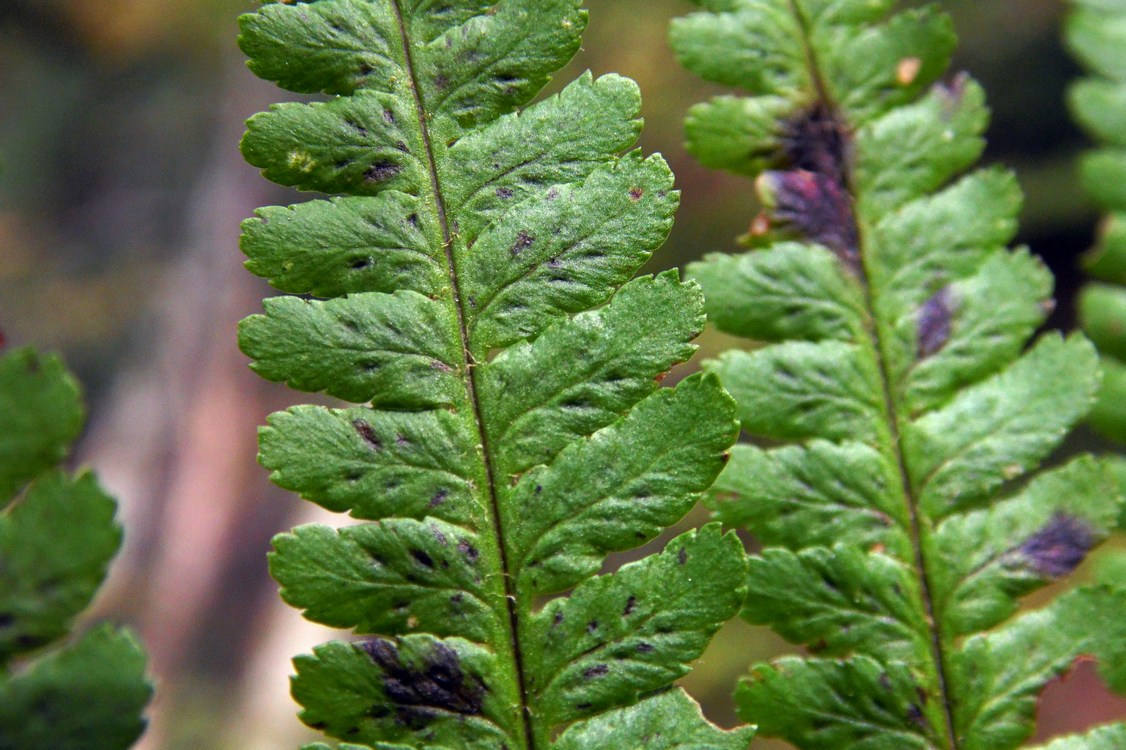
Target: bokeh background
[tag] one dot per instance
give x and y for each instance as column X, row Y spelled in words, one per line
column 121, row 193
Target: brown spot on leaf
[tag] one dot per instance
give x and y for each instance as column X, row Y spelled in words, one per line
column 366, row 432
column 504, row 193
column 522, row 243
column 635, row 194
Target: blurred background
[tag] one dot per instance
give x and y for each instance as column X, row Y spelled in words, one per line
column 121, row 193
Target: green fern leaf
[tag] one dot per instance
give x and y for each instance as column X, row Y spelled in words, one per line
column 1095, row 32
column 902, row 404
column 509, row 432
column 87, row 695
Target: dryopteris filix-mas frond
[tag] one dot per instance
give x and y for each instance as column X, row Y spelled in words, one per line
column 1096, row 32
column 904, row 406
column 57, row 538
column 476, row 265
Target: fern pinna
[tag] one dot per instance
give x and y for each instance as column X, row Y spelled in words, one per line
column 1096, row 31
column 901, row 407
column 511, row 432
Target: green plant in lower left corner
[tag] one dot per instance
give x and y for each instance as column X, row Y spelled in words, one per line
column 57, row 538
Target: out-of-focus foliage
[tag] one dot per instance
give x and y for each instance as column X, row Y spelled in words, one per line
column 57, row 538
column 1096, row 33
column 903, row 406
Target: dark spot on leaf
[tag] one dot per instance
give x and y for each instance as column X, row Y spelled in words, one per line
column 952, row 94
column 817, row 207
column 320, row 726
column 389, row 117
column 553, row 194
column 885, row 681
column 598, row 670
column 441, row 82
column 630, row 604
column 558, row 619
column 915, row 716
column 522, row 243
column 402, row 441
column 592, row 626
column 682, row 556
column 413, row 220
column 367, row 433
column 635, row 194
column 467, row 549
column 439, row 536
column 356, row 126
column 440, row 366
column 584, row 706
column 1059, row 546
column 382, row 171
column 934, row 323
column 814, row 141
column 422, row 558
column 360, row 263
column 402, row 147
column 419, row 691
column 365, row 69
column 644, row 648
column 6, row 620
column 439, row 497
column 504, row 193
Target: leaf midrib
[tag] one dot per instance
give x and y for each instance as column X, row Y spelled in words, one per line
column 890, row 407
column 470, row 379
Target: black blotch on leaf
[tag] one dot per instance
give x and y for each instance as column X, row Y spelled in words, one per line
column 382, row 171
column 682, row 556
column 644, row 648
column 630, row 604
column 592, row 627
column 934, row 322
column 598, row 670
column 420, row 691
column 422, row 558
column 504, row 193
column 366, row 432
column 814, row 141
column 1059, row 546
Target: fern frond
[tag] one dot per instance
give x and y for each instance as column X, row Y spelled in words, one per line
column 510, row 432
column 903, row 407
column 1096, row 32
column 57, row 538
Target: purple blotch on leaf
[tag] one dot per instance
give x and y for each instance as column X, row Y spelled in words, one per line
column 934, row 322
column 421, row 692
column 1059, row 546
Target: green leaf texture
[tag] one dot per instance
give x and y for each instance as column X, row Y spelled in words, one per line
column 1096, row 33
column 57, row 538
column 901, row 406
column 467, row 287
